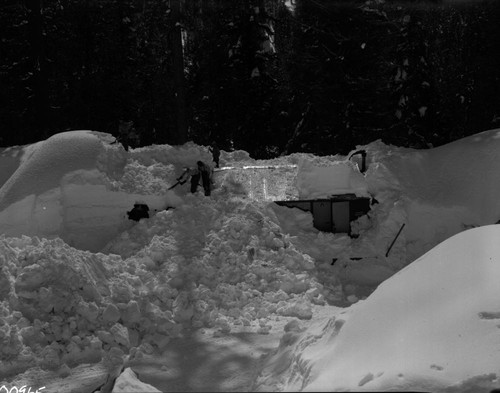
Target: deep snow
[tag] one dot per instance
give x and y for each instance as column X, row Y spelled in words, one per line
column 238, row 262
column 436, row 332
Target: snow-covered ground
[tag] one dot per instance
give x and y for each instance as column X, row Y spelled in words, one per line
column 82, row 284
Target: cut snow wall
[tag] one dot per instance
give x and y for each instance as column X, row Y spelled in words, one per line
column 340, row 177
column 259, row 183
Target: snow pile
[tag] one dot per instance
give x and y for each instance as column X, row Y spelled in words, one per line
column 229, row 257
column 238, row 261
column 218, row 263
column 49, row 303
column 432, row 326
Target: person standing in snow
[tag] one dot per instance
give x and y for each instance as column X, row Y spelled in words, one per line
column 203, row 171
column 214, row 149
column 195, row 179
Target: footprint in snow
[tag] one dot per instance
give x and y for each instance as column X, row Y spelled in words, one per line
column 489, row 315
column 367, row 378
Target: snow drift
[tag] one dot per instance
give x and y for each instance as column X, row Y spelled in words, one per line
column 445, row 190
column 433, row 326
column 64, row 188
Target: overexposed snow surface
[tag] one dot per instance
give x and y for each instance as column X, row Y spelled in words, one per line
column 432, row 326
column 236, row 262
column 340, row 177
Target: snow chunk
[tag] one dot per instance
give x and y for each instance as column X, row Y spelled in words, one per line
column 299, row 310
column 127, row 382
column 120, row 335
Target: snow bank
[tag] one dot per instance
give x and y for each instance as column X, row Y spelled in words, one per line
column 432, row 326
column 50, row 160
column 70, row 186
column 461, row 173
column 446, row 189
column 179, row 156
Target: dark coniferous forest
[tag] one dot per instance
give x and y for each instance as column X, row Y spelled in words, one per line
column 268, row 76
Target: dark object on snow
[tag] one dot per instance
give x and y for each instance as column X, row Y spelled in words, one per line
column 127, row 135
column 214, row 149
column 363, row 157
column 205, row 177
column 352, row 259
column 335, row 213
column 139, row 211
column 195, row 180
column 205, row 172
column 394, row 241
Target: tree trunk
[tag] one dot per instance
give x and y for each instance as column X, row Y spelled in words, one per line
column 178, row 70
column 39, row 79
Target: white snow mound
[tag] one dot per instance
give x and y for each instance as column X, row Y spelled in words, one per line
column 64, row 187
column 434, row 325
